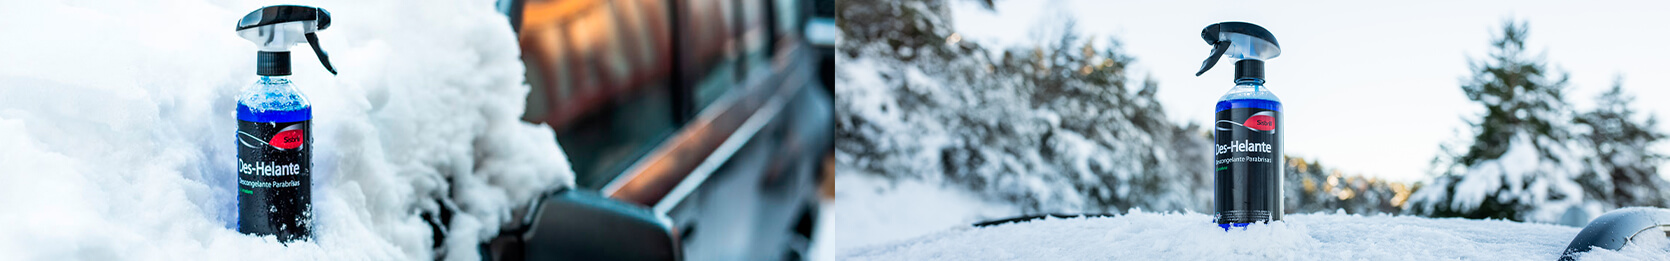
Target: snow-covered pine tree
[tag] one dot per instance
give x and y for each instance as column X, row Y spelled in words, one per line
column 1053, row 127
column 1521, row 164
column 1623, row 171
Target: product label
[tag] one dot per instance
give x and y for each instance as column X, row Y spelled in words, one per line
column 1247, row 165
column 273, row 179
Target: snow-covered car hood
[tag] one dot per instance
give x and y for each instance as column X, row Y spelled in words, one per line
column 1193, row 236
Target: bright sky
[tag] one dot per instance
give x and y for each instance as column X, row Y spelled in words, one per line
column 1367, row 87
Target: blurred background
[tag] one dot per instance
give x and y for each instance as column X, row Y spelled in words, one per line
column 951, row 112
column 699, row 129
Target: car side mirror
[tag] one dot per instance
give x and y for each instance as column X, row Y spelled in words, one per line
column 1617, row 228
column 583, row 225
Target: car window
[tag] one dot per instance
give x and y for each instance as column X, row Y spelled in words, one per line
column 599, row 76
column 603, row 73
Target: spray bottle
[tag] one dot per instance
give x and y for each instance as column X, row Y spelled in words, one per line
column 1247, row 162
column 274, row 134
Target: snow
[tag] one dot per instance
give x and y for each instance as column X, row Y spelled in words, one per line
column 869, row 209
column 1525, row 175
column 1070, row 146
column 116, row 130
column 1193, row 236
column 908, row 219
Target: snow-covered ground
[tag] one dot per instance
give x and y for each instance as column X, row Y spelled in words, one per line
column 1193, row 236
column 116, row 130
column 869, row 209
column 908, row 219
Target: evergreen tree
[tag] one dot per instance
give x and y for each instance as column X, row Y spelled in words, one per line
column 1624, row 171
column 1054, row 127
column 1524, row 110
column 1531, row 160
column 1518, row 94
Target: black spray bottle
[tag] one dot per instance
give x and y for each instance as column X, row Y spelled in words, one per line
column 274, row 135
column 1247, row 162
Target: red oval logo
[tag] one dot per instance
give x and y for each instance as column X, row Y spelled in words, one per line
column 1261, row 122
column 289, row 139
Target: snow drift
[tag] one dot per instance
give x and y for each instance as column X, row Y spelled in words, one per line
column 1192, row 236
column 116, row 130
column 870, row 209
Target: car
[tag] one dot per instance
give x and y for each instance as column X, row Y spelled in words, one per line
column 697, row 130
column 819, row 30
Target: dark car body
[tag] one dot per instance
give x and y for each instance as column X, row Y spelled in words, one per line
column 697, row 130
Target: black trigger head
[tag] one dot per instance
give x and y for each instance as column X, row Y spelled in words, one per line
column 324, row 18
column 1211, row 33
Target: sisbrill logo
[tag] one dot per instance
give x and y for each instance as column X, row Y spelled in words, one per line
column 1262, row 121
column 289, row 138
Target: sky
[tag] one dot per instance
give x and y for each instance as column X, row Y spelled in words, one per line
column 1369, row 88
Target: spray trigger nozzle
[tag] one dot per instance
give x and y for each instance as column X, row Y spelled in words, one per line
column 313, row 40
column 1238, row 40
column 276, row 28
column 1218, row 49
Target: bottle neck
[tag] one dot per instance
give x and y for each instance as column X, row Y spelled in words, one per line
column 1249, row 89
column 273, row 84
column 1249, row 85
column 1249, row 69
column 272, row 63
column 275, row 80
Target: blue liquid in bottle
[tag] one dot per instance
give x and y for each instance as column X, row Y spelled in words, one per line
column 1249, row 93
column 1247, row 161
column 273, row 99
column 274, row 160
